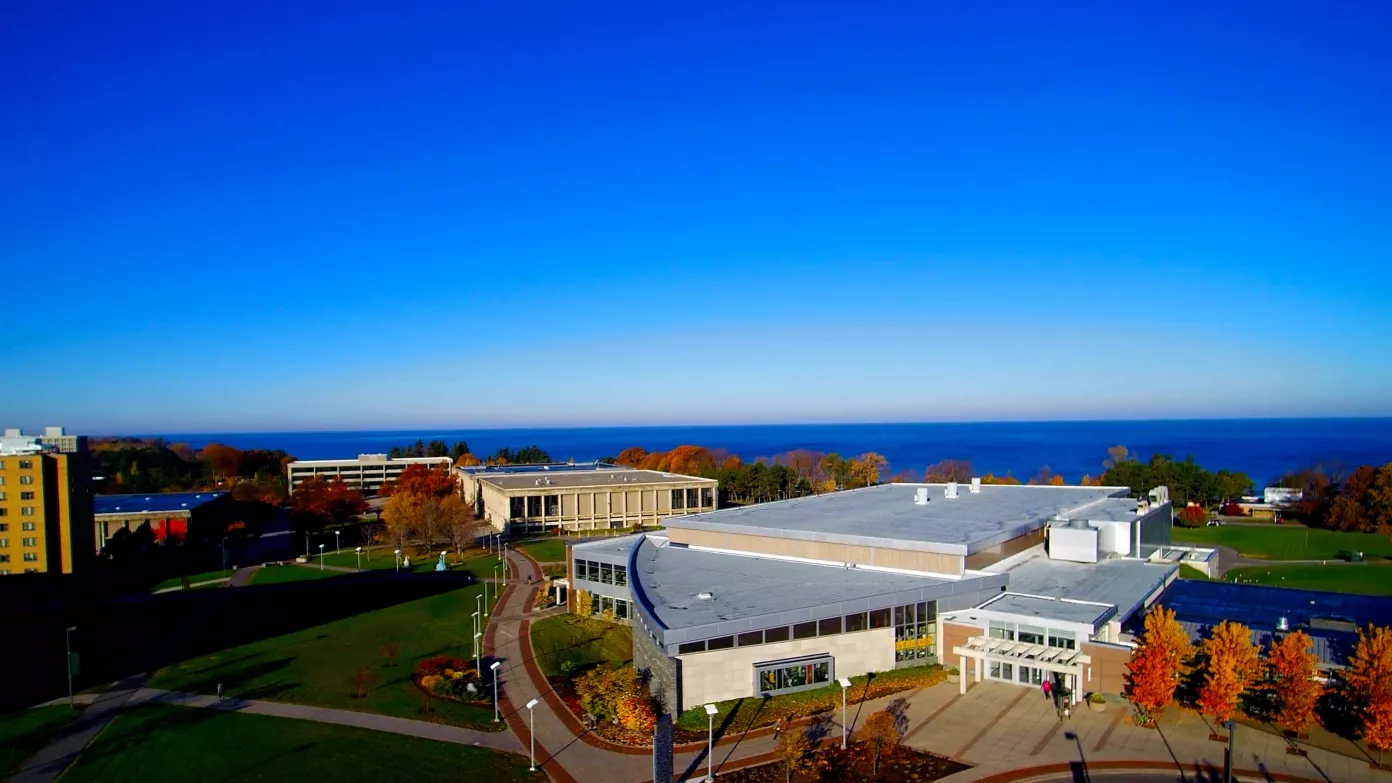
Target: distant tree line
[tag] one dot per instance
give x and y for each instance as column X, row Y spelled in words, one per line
column 135, row 465
column 1357, row 501
column 460, row 454
column 787, row 475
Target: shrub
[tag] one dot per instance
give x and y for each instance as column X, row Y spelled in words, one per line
column 439, row 664
column 1095, row 698
column 568, row 668
column 635, row 714
column 1193, row 516
column 602, row 689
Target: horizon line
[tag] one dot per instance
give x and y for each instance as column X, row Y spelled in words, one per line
column 963, row 422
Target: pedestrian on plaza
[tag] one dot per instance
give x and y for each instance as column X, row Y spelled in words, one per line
column 1047, row 687
column 219, row 691
column 777, row 728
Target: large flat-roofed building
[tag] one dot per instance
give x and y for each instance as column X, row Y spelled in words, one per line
column 168, row 514
column 586, row 496
column 367, row 473
column 45, row 503
column 780, row 597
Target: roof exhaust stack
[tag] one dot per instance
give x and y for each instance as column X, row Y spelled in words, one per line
column 976, row 486
column 921, row 496
column 951, row 490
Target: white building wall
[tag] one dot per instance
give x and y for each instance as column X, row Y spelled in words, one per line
column 729, row 674
column 1076, row 544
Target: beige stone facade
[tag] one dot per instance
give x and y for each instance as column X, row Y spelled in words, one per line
column 728, row 674
column 534, row 502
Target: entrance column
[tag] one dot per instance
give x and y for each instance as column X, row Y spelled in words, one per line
column 962, row 676
column 980, row 668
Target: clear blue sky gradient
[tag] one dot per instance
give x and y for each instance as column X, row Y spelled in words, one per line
column 270, row 215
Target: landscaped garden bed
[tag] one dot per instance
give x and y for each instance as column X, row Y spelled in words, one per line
column 855, row 763
column 452, row 679
column 740, row 715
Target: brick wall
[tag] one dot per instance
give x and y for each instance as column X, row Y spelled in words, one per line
column 1108, row 667
column 955, row 635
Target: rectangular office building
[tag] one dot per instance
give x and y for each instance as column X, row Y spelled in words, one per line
column 367, row 473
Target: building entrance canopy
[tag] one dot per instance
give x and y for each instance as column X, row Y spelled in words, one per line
column 1051, row 659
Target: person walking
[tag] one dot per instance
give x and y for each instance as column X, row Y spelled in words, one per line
column 777, row 728
column 1047, row 687
column 219, row 691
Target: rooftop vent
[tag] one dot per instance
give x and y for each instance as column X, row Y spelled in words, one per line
column 976, row 486
column 951, row 491
column 921, row 496
column 1282, row 624
column 705, row 596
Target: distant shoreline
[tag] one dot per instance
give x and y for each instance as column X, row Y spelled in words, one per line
column 1263, row 448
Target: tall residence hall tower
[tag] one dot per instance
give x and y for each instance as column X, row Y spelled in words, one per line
column 45, row 503
column 1008, row 583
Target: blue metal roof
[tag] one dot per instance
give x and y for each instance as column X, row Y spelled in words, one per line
column 1200, row 605
column 153, row 503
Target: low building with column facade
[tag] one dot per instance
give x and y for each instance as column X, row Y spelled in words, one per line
column 1007, row 583
column 518, row 499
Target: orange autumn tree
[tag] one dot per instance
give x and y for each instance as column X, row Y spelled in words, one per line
column 881, row 734
column 1231, row 664
column 631, row 456
column 1293, row 667
column 1369, row 676
column 1161, row 656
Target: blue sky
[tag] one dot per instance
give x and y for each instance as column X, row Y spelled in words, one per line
column 261, row 215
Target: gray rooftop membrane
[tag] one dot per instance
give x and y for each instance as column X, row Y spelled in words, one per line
column 1120, row 582
column 614, row 547
column 750, row 592
column 616, row 479
column 887, row 516
column 1050, row 609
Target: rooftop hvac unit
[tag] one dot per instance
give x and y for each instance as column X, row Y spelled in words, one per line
column 1282, row 624
column 976, row 486
column 951, row 491
column 921, row 496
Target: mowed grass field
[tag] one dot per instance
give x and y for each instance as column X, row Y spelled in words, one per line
column 23, row 733
column 1361, row 578
column 476, row 561
column 1285, row 543
column 176, row 744
column 580, row 640
column 545, row 550
column 316, row 665
column 283, row 574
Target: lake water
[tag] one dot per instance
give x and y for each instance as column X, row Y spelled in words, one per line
column 1262, row 448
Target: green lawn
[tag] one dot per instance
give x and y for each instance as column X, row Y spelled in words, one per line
column 170, row 744
column 581, row 640
column 476, row 561
column 1362, row 578
column 23, row 733
column 279, row 575
column 1187, row 571
column 546, row 550
column 315, row 665
column 193, row 579
column 1285, row 543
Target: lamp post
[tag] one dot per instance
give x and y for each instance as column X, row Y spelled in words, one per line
column 482, row 610
column 531, row 715
column 478, row 652
column 321, row 557
column 494, row 666
column 359, row 553
column 476, row 631
column 845, row 683
column 1231, row 726
column 306, row 544
column 338, row 540
column 67, row 647
column 398, row 560
column 710, row 741
column 224, row 553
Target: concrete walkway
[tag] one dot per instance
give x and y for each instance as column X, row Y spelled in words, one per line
column 998, row 727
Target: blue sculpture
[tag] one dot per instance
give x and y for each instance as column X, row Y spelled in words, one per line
column 440, row 566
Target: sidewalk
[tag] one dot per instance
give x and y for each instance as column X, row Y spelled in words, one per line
column 998, row 727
